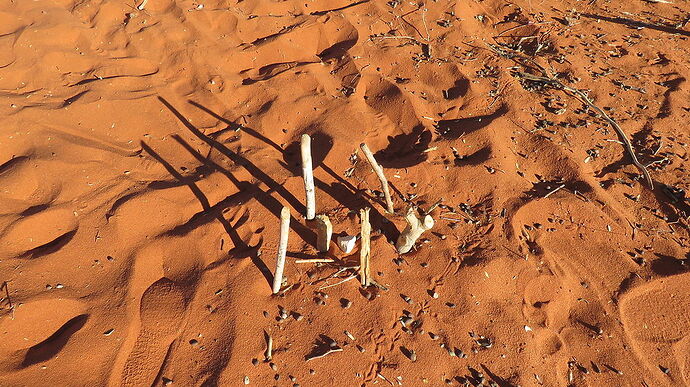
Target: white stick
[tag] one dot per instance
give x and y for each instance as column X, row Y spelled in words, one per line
column 282, row 249
column 324, row 232
column 315, row 260
column 308, row 176
column 379, row 173
column 365, row 248
column 414, row 229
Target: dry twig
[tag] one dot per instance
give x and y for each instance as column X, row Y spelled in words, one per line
column 548, row 79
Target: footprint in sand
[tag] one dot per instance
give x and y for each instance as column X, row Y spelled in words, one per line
column 656, row 317
column 161, row 313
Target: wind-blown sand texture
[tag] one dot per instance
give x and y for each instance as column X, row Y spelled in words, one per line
column 145, row 156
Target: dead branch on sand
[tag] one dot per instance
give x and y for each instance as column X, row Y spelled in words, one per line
column 549, row 80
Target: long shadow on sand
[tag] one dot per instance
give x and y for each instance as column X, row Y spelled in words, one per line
column 342, row 191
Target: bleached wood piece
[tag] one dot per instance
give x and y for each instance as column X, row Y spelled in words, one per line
column 282, row 249
column 324, row 232
column 308, row 175
column 365, row 249
column 379, row 173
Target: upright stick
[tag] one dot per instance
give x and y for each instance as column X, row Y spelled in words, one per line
column 379, row 172
column 282, row 249
column 365, row 250
column 308, row 176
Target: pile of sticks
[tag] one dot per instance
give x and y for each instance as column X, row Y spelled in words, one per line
column 416, row 225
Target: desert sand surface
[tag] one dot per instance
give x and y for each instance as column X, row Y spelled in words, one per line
column 147, row 149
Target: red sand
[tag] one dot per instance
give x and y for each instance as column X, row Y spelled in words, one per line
column 145, row 156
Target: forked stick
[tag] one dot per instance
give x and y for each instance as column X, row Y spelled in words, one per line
column 379, row 173
column 282, row 249
column 308, row 175
column 324, row 232
column 414, row 229
column 365, row 249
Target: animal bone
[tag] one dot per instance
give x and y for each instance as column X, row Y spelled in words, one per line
column 414, row 229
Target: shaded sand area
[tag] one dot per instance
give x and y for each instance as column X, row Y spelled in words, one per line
column 146, row 154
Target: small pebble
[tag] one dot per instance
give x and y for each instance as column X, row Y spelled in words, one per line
column 406, row 321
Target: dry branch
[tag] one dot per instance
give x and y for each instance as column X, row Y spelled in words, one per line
column 379, row 173
column 550, row 80
column 282, row 249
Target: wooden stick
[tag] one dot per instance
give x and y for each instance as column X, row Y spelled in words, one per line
column 282, row 249
column 320, row 355
column 308, row 175
column 379, row 173
column 269, row 346
column 414, row 229
column 365, row 249
column 324, row 232
column 316, row 260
